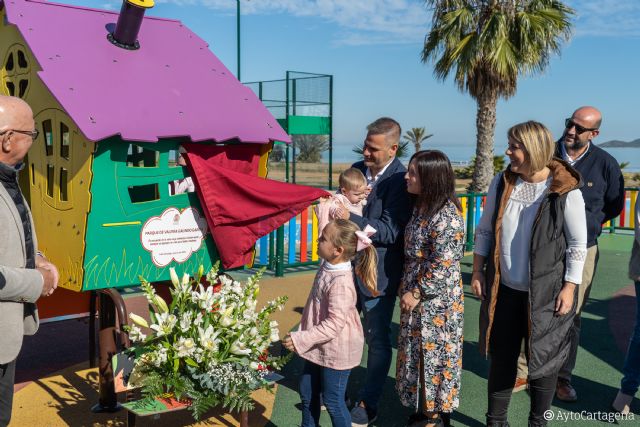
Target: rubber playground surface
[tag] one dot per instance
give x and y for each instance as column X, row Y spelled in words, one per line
column 56, row 387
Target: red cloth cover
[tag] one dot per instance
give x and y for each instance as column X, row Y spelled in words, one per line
column 240, row 207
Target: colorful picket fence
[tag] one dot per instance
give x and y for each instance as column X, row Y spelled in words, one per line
column 294, row 244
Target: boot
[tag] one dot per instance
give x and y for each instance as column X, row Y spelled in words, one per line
column 622, row 403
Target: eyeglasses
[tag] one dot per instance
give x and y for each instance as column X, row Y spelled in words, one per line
column 32, row 133
column 569, row 123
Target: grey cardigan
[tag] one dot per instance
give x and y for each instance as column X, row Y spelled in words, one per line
column 20, row 287
column 634, row 262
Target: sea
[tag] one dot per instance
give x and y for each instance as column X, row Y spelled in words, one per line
column 462, row 154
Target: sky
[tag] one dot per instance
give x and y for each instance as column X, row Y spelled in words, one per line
column 372, row 48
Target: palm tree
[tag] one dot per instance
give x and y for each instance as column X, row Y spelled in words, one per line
column 416, row 136
column 487, row 45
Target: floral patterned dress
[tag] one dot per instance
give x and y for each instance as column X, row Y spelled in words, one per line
column 430, row 336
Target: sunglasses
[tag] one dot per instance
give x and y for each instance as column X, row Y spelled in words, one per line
column 32, row 133
column 569, row 123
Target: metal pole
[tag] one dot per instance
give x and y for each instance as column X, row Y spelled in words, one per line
column 238, row 35
column 471, row 206
column 330, row 132
column 293, row 142
column 280, row 251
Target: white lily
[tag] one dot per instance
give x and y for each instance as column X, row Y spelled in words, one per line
column 208, row 339
column 227, row 318
column 165, row 324
column 138, row 320
column 185, row 346
column 174, row 277
column 239, row 348
column 185, row 282
column 160, row 303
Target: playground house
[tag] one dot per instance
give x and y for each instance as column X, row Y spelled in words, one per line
column 114, row 106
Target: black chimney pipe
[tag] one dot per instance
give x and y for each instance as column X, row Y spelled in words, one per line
column 125, row 34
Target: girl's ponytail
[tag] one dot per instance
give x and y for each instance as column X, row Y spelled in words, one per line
column 367, row 269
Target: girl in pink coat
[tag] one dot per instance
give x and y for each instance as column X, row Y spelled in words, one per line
column 330, row 336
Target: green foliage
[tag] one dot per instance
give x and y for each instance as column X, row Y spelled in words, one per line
column 310, row 147
column 277, row 154
column 624, row 165
column 467, row 172
column 416, row 136
column 486, row 46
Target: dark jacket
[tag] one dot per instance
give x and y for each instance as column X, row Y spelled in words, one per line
column 548, row 334
column 603, row 189
column 388, row 211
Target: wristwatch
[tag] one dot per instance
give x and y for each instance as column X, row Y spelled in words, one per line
column 415, row 292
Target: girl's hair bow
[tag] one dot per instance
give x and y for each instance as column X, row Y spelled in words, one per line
column 363, row 237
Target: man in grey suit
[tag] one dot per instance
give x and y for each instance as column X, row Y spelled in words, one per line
column 388, row 211
column 25, row 275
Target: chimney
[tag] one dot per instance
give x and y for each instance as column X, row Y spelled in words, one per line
column 126, row 33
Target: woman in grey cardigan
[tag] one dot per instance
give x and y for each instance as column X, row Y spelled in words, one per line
column 631, row 370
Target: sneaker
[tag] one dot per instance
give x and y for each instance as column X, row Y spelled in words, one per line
column 361, row 417
column 565, row 392
column 521, row 384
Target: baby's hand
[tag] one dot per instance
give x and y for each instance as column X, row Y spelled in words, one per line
column 287, row 342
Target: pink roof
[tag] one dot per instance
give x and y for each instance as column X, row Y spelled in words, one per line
column 173, row 86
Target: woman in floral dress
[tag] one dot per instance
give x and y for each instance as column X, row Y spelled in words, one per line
column 429, row 360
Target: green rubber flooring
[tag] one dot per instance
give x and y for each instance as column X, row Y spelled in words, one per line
column 596, row 377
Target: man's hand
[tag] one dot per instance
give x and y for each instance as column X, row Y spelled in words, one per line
column 341, row 211
column 564, row 302
column 287, row 342
column 44, row 263
column 49, row 274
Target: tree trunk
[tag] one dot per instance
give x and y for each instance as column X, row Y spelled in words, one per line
column 417, row 145
column 486, row 126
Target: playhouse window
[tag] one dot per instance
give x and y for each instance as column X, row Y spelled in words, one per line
column 143, row 193
column 22, row 87
column 48, row 136
column 9, row 65
column 64, row 190
column 22, row 59
column 65, row 137
column 11, row 88
column 173, row 158
column 50, row 172
column 140, row 157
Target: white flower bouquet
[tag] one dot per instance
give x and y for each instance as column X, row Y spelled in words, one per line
column 209, row 346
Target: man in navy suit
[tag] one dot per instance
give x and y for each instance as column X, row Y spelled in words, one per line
column 388, row 211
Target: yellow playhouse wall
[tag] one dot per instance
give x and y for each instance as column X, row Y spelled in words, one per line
column 60, row 225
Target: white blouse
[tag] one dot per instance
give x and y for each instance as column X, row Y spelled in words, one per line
column 517, row 226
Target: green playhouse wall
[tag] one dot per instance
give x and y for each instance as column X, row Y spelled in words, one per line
column 114, row 254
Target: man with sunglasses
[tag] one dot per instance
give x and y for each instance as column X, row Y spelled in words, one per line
column 603, row 193
column 25, row 275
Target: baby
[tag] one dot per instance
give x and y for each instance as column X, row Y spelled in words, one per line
column 352, row 194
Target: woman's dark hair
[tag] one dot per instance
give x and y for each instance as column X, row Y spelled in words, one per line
column 437, row 181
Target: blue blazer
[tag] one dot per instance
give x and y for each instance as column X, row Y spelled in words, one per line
column 388, row 210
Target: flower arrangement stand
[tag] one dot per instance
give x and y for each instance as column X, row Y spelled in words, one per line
column 165, row 404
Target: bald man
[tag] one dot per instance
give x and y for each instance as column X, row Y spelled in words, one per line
column 603, row 193
column 25, row 275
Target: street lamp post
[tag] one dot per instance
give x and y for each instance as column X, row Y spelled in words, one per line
column 238, row 35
